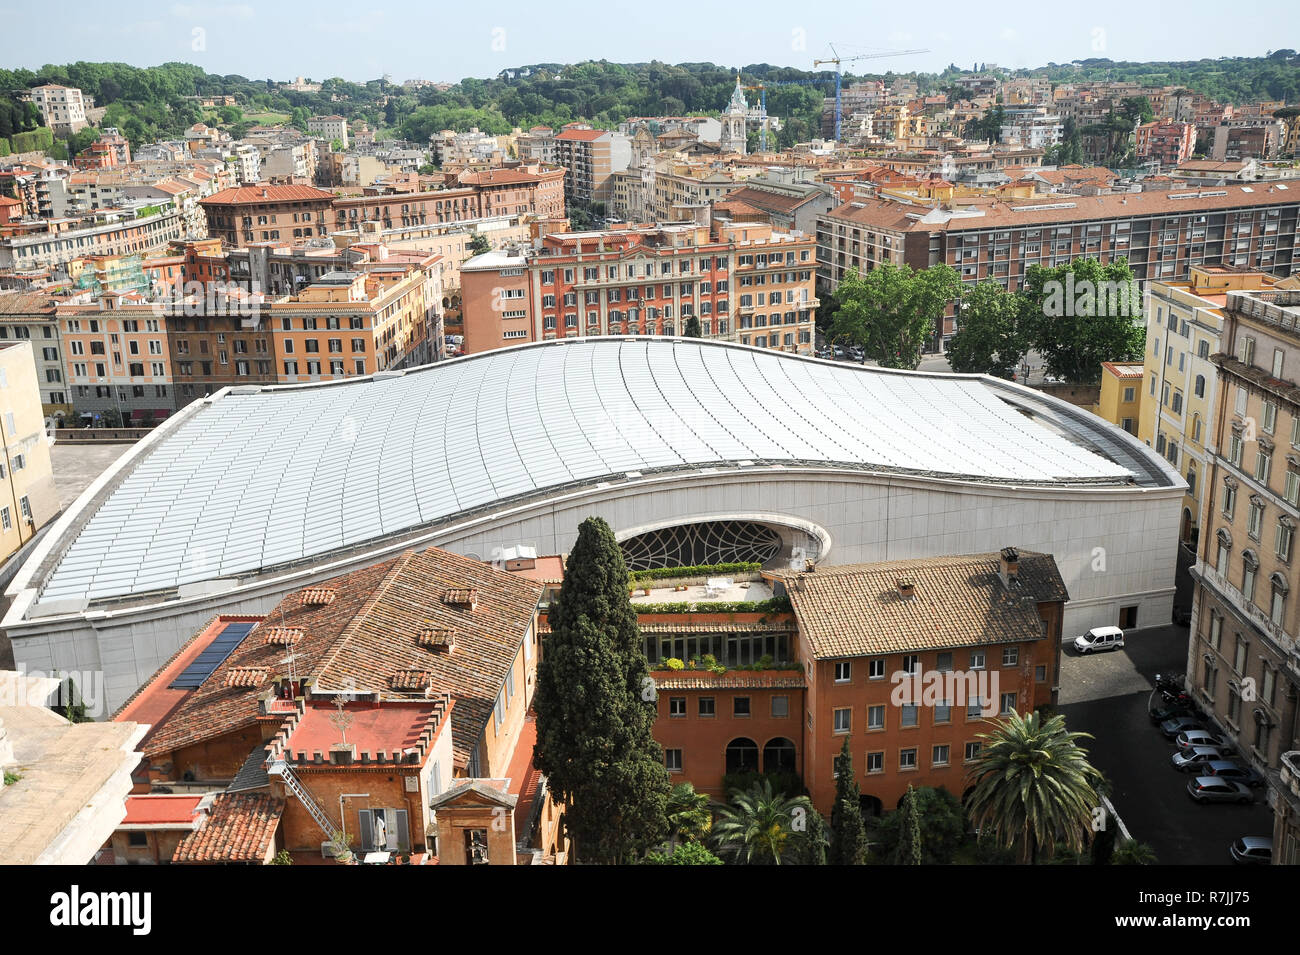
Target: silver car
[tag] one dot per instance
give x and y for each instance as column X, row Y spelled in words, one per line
column 1195, row 759
column 1205, row 789
column 1202, row 737
column 1252, row 850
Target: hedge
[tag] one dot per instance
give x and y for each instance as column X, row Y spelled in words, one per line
column 771, row 605
column 698, row 570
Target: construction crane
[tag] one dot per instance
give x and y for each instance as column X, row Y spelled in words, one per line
column 837, row 60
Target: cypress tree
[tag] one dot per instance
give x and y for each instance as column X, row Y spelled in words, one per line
column 909, row 842
column 595, row 706
column 848, row 832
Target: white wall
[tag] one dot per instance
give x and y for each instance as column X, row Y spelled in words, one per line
column 1115, row 547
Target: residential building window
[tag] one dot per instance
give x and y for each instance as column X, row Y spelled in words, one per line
column 708, row 706
column 740, row 706
column 939, row 755
column 673, row 760
column 977, row 660
column 972, row 751
column 1239, row 656
column 1254, row 517
column 676, row 706
column 1008, row 703
column 875, row 762
column 876, row 669
column 1262, row 461
column 780, row 707
column 843, row 672
column 843, row 717
column 1250, row 567
column 1283, row 537
column 875, row 717
column 911, row 664
column 906, row 759
column 1010, row 656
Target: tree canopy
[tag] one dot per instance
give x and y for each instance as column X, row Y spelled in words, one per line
column 891, row 311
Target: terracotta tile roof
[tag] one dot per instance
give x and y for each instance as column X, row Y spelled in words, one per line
column 856, row 610
column 582, row 135
column 436, row 637
column 315, row 595
column 240, row 828
column 460, row 595
column 1048, row 210
column 770, row 202
column 261, row 195
column 370, row 631
column 410, row 679
column 497, row 177
column 1124, row 370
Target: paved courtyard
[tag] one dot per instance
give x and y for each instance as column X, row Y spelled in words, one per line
column 1107, row 695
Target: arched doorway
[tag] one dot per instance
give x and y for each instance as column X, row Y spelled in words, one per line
column 742, row 756
column 871, row 806
column 1186, row 533
column 779, row 756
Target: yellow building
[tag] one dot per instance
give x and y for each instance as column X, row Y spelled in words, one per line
column 1121, row 395
column 27, row 495
column 1184, row 324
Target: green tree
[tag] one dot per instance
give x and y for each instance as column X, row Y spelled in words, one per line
column 595, row 708
column 479, row 244
column 848, row 838
column 1083, row 313
column 891, row 310
column 1033, row 786
column 689, row 817
column 942, row 820
column 684, row 853
column 909, row 846
column 762, row 827
column 989, row 339
column 692, row 328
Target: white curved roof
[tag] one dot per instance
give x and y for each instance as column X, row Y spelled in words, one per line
column 262, row 476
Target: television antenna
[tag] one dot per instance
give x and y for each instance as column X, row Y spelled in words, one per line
column 342, row 719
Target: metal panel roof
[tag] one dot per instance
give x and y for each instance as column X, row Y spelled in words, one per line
column 262, row 477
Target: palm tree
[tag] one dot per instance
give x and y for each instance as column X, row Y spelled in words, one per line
column 760, row 826
column 689, row 818
column 1034, row 786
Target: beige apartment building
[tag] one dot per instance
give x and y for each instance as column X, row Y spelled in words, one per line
column 27, row 495
column 1184, row 329
column 63, row 108
column 1242, row 663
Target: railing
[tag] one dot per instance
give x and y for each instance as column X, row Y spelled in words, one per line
column 100, row 435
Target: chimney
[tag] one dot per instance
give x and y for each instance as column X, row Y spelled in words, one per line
column 906, row 588
column 1008, row 565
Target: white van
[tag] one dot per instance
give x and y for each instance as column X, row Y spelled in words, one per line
column 1099, row 638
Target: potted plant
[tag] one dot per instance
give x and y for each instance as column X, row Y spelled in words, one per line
column 342, row 852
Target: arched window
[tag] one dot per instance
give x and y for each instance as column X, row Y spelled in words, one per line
column 779, row 756
column 1249, row 571
column 742, row 756
column 1200, row 386
column 1277, row 608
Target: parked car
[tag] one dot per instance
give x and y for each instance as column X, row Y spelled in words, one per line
column 1200, row 737
column 1169, row 711
column 1195, row 759
column 1099, row 638
column 838, row 352
column 1237, row 772
column 1252, row 850
column 1205, row 789
column 1178, row 724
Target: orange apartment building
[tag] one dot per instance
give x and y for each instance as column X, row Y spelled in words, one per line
column 586, row 155
column 532, row 190
column 1169, row 144
column 740, row 280
column 391, row 703
column 116, row 356
column 264, row 213
column 908, row 659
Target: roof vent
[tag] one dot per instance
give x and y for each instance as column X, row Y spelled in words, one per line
column 245, row 676
column 316, row 596
column 410, row 679
column 462, row 597
column 906, row 588
column 438, row 639
column 283, row 636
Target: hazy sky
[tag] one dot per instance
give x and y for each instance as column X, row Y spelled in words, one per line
column 451, row 39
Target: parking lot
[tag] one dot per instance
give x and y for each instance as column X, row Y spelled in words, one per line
column 1107, row 695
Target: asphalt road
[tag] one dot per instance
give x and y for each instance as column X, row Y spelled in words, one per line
column 1107, row 695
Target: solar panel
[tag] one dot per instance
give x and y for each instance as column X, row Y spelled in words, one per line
column 222, row 646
